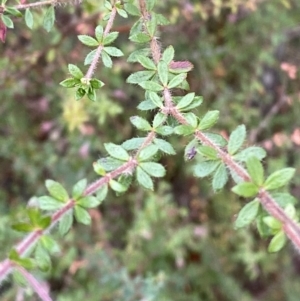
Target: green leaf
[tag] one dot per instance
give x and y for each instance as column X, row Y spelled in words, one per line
column 42, row 258
column 153, row 169
column 162, row 20
column 151, row 24
column 150, row 4
column 90, row 57
column 176, row 80
column 44, row 222
column 159, row 119
column 208, row 152
column 163, row 72
column 49, row 18
column 70, row 82
column 248, row 214
column 245, row 189
column 134, row 56
column 34, row 215
column 49, row 244
column 7, row 21
column 13, row 11
column 143, row 178
column 23, row 227
column 66, row 222
column 272, row 223
column 57, row 191
column 205, row 168
column 133, row 143
column 96, row 83
column 75, row 71
column 255, row 170
column 116, row 151
column 251, row 151
column 155, row 98
column 113, row 51
column 110, row 37
column 279, row 178
column 79, row 93
column 82, row 216
column 192, row 119
column 140, row 76
column 78, row 188
column 283, row 199
column 185, row 101
column 290, row 211
column 91, row 94
column 140, row 38
column 108, row 5
column 102, row 193
column 109, row 163
column 216, row 139
column 220, row 177
column 116, row 186
column 209, row 119
column 122, row 13
column 146, row 62
column 147, row 152
column 140, row 123
column 48, row 203
column 146, row 105
column 88, row 41
column 168, row 54
column 132, row 9
column 13, row 255
column 106, row 59
column 277, row 242
column 99, row 33
column 89, row 202
column 151, row 86
column 164, row 130
column 236, row 139
column 164, row 146
column 197, row 101
column 184, row 130
column 28, row 18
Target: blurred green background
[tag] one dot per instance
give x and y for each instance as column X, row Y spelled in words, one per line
column 177, row 243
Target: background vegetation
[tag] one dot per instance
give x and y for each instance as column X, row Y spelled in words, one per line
column 177, row 243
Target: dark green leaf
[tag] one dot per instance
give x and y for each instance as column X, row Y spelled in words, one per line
column 69, row 82
column 23, row 227
column 96, row 83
